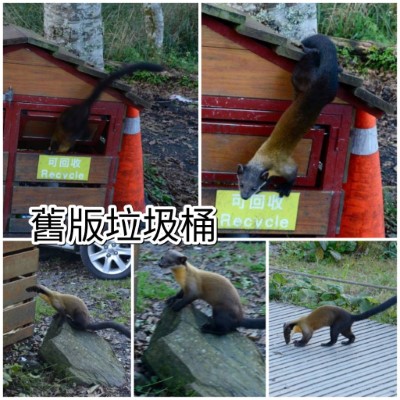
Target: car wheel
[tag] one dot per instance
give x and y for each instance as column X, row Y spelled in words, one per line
column 108, row 261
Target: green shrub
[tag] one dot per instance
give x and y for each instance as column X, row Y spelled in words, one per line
column 359, row 21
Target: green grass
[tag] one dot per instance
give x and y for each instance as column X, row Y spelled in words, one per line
column 42, row 309
column 150, row 290
column 187, row 62
column 369, row 263
column 27, row 381
column 149, row 77
column 153, row 388
column 249, row 255
column 390, row 209
column 106, row 291
column 376, row 22
column 156, row 186
column 359, row 21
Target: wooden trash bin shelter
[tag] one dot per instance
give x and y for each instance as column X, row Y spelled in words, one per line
column 40, row 81
column 246, row 86
column 20, row 264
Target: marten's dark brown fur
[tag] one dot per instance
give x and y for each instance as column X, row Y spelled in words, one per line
column 339, row 320
column 73, row 122
column 315, row 80
column 75, row 309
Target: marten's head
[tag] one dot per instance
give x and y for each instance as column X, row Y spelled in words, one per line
column 287, row 332
column 171, row 259
column 289, row 329
column 251, row 178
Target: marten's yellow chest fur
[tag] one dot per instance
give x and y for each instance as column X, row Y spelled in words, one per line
column 297, row 329
column 180, row 275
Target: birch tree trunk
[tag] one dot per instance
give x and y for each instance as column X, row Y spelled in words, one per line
column 292, row 20
column 154, row 25
column 78, row 27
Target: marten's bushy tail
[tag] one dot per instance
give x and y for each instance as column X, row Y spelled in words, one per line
column 96, row 326
column 126, row 70
column 256, row 323
column 38, row 289
column 375, row 310
column 321, row 66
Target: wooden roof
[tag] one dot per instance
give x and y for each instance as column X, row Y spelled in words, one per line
column 16, row 35
column 248, row 26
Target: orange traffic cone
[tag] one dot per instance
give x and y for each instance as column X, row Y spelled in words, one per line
column 363, row 204
column 129, row 186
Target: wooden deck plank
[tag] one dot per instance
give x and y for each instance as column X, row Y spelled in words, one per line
column 368, row 367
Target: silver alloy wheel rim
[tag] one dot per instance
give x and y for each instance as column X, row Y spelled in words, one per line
column 111, row 258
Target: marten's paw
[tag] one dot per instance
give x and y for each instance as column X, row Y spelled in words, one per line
column 178, row 305
column 210, row 328
column 207, row 328
column 169, row 302
column 283, row 192
column 284, row 188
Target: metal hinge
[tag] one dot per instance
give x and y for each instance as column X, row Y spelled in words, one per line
column 9, row 95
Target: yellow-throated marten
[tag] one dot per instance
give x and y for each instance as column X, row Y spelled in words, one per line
column 315, row 80
column 339, row 320
column 75, row 309
column 216, row 290
column 73, row 122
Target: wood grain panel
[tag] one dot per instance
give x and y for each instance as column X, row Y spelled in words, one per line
column 231, row 72
column 16, row 336
column 19, row 264
column 222, row 153
column 26, row 56
column 209, row 38
column 17, row 316
column 312, row 219
column 12, row 246
column 30, row 196
column 42, row 78
column 229, row 69
column 14, row 292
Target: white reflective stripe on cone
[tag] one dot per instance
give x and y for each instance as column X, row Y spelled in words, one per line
column 364, row 141
column 132, row 126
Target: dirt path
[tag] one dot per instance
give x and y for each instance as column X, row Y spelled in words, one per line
column 170, row 145
column 384, row 85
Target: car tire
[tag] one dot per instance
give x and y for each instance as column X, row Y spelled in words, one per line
column 108, row 261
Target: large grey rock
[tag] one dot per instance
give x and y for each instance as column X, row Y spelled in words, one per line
column 204, row 364
column 82, row 356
